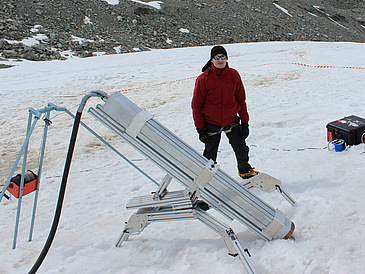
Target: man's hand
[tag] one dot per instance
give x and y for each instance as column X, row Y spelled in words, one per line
column 245, row 130
column 203, row 134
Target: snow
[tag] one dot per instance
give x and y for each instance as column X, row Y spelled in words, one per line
column 87, row 20
column 154, row 4
column 36, row 28
column 334, row 21
column 312, row 14
column 283, row 9
column 112, row 2
column 184, row 30
column 289, row 106
column 34, row 40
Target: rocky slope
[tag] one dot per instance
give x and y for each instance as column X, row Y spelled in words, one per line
column 84, row 27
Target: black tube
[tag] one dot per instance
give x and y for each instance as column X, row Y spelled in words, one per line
column 61, row 195
column 66, row 170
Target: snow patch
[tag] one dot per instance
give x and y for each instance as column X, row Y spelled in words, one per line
column 319, row 9
column 80, row 40
column 87, row 20
column 117, row 49
column 32, row 40
column 112, row 2
column 334, row 21
column 184, row 30
column 36, row 28
column 312, row 14
column 154, row 4
column 282, row 9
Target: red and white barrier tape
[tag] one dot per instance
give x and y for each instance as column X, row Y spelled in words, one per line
column 309, row 66
column 267, row 64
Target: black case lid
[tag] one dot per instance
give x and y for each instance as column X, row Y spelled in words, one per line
column 349, row 123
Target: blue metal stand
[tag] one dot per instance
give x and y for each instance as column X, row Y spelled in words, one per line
column 24, row 151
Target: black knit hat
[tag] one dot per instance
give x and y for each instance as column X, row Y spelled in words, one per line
column 218, row 50
column 214, row 51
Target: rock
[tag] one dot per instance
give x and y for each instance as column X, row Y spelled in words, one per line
column 4, row 45
column 2, row 66
column 11, row 54
column 133, row 25
column 85, row 54
column 30, row 56
column 39, row 48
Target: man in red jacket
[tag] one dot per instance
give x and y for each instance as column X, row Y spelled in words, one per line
column 219, row 104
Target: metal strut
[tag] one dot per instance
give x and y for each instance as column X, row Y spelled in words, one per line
column 268, row 183
column 177, row 206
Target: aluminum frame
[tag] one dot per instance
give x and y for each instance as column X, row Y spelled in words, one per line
column 201, row 178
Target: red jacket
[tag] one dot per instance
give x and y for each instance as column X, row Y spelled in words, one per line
column 218, row 97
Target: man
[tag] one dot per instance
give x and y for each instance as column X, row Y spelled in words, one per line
column 219, row 104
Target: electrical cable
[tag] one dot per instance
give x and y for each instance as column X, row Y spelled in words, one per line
column 66, row 170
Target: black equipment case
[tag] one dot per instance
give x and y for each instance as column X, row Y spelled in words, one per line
column 351, row 129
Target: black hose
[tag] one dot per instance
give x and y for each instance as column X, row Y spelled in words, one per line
column 61, row 195
column 66, row 171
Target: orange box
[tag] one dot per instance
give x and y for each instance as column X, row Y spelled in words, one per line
column 29, row 187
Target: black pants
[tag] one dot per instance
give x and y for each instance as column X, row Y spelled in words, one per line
column 236, row 141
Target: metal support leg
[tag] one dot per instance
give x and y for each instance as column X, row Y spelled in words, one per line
column 29, row 132
column 243, row 254
column 285, row 195
column 123, row 237
column 175, row 208
column 229, row 238
column 135, row 225
column 46, row 125
column 24, row 147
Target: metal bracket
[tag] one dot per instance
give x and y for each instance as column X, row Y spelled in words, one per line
column 264, row 182
column 268, row 183
column 206, row 174
column 138, row 122
column 135, row 225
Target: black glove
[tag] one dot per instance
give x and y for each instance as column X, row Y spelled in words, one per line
column 203, row 134
column 244, row 130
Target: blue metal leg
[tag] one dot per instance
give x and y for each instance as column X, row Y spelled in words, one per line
column 29, row 132
column 39, row 174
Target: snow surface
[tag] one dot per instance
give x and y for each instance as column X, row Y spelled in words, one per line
column 289, row 106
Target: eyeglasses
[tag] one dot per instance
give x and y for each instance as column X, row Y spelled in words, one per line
column 223, row 57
